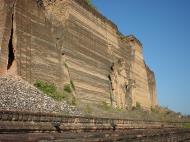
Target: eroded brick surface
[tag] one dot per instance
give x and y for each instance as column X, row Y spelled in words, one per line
column 50, row 38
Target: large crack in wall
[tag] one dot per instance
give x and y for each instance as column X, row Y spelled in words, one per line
column 7, row 54
column 11, row 55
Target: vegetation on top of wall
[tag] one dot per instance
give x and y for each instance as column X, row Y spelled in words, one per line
column 90, row 3
column 120, row 34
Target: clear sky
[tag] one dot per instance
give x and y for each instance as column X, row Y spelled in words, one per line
column 163, row 27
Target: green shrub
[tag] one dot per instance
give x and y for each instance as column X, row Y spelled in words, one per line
column 138, row 106
column 49, row 89
column 45, row 87
column 67, row 88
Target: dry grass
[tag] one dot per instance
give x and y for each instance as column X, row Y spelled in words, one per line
column 105, row 111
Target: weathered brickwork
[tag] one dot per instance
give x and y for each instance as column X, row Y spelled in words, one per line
column 52, row 126
column 67, row 40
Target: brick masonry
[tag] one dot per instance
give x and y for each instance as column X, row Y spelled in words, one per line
column 64, row 40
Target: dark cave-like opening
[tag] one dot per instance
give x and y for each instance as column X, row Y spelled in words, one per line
column 11, row 56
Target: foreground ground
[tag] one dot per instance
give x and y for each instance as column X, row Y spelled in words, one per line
column 105, row 136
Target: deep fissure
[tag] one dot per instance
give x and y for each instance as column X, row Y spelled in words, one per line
column 11, row 56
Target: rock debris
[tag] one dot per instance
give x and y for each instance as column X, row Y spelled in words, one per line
column 17, row 94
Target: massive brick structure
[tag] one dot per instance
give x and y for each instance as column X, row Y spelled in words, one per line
column 63, row 41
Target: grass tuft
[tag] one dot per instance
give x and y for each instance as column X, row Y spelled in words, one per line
column 50, row 90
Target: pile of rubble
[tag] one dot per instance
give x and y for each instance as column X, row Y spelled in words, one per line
column 17, row 94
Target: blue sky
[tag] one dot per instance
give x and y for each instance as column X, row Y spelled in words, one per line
column 163, row 27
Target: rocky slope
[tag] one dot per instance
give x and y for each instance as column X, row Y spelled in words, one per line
column 17, row 94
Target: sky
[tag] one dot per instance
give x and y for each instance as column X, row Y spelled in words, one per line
column 163, row 27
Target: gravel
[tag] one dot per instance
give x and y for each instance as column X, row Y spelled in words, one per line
column 17, row 94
